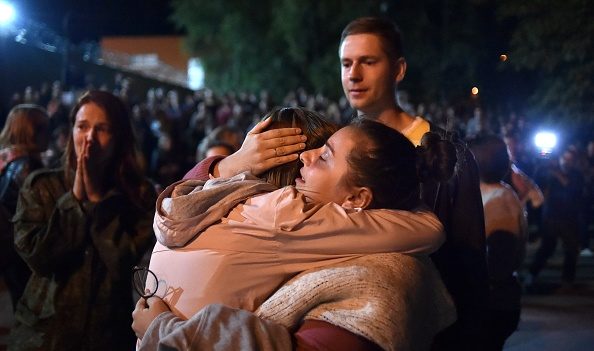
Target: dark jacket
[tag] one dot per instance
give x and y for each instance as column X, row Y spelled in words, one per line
column 79, row 296
column 14, row 168
column 461, row 260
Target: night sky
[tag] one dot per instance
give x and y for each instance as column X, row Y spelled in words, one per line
column 92, row 19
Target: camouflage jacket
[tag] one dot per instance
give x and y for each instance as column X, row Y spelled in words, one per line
column 79, row 296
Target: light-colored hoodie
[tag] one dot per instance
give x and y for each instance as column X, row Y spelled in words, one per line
column 240, row 251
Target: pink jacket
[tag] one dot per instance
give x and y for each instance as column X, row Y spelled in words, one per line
column 249, row 252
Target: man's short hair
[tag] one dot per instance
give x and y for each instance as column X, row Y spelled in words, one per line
column 385, row 29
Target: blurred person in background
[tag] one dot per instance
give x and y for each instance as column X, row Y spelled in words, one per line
column 527, row 190
column 506, row 233
column 221, row 141
column 24, row 136
column 56, row 108
column 562, row 184
column 525, row 187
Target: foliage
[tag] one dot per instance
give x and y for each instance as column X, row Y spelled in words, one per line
column 553, row 40
column 286, row 44
column 450, row 46
column 278, row 45
column 445, row 43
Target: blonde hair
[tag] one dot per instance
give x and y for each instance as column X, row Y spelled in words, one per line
column 24, row 125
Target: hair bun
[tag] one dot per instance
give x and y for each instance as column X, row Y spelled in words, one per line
column 436, row 158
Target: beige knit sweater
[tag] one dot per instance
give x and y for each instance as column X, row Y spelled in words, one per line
column 395, row 300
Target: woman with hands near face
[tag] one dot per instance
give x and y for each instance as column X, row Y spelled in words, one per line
column 93, row 146
column 80, row 229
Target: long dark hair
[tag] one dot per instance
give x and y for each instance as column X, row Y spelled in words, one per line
column 313, row 125
column 390, row 165
column 124, row 169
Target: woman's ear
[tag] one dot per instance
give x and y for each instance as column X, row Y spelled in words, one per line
column 400, row 70
column 360, row 198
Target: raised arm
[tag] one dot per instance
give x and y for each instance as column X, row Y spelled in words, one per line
column 261, row 150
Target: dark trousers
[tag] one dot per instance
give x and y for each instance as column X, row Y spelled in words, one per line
column 501, row 324
column 567, row 231
column 16, row 275
column 466, row 334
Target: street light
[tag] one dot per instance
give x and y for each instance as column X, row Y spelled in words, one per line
column 7, row 13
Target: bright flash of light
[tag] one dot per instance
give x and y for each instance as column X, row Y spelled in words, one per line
column 7, row 13
column 474, row 91
column 545, row 141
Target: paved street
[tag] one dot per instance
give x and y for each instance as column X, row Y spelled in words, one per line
column 551, row 320
column 554, row 320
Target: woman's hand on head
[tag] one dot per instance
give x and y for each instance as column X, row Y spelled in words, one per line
column 262, row 150
column 145, row 312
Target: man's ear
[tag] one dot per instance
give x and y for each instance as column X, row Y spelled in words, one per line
column 400, row 70
column 360, row 198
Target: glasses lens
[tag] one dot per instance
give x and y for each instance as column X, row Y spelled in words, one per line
column 145, row 282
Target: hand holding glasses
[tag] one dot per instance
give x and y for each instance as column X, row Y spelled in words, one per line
column 144, row 281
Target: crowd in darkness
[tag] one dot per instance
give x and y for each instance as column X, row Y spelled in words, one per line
column 170, row 127
column 173, row 130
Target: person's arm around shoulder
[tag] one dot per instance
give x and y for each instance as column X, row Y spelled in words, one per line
column 370, row 231
column 413, row 232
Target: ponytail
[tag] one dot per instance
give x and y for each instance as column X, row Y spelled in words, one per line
column 389, row 164
column 436, row 158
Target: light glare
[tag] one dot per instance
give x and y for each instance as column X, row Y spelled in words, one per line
column 7, row 13
column 545, row 141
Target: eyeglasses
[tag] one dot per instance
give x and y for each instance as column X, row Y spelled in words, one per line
column 144, row 281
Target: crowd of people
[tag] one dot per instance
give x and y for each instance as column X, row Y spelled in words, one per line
column 173, row 132
column 85, row 217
